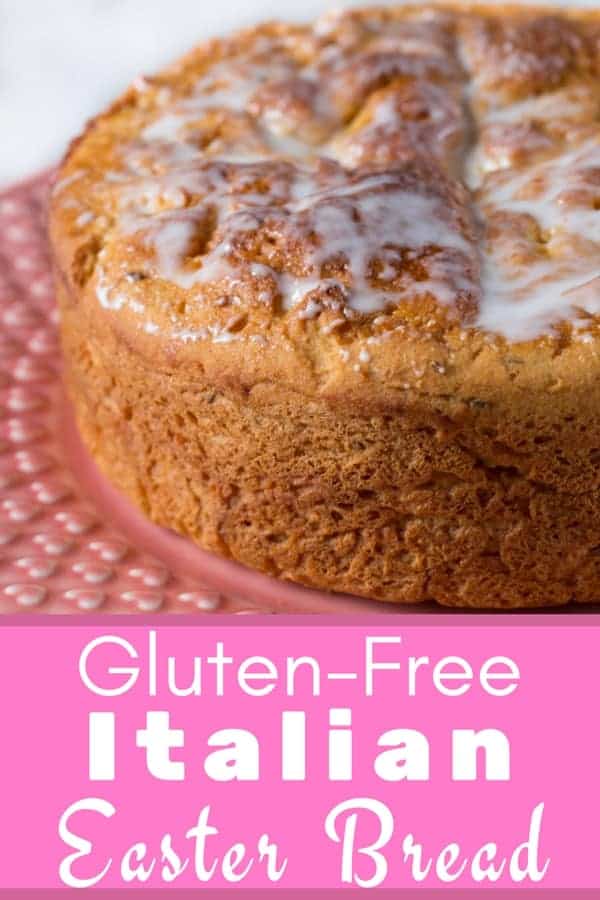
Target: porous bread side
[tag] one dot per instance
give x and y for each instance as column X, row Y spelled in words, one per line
column 404, row 506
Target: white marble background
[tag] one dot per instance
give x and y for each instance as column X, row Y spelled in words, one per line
column 62, row 60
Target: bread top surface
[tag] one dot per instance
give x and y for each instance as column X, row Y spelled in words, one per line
column 390, row 201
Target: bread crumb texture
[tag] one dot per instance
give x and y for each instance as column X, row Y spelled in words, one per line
column 330, row 301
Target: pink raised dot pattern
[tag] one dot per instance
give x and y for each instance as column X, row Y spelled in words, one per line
column 42, row 341
column 109, row 550
column 29, row 370
column 36, row 567
column 21, row 431
column 31, row 462
column 87, row 601
column 25, row 595
column 92, row 573
column 53, row 545
column 48, row 492
column 18, row 316
column 18, row 510
column 149, row 576
column 21, row 400
column 144, row 601
column 201, row 600
column 76, row 522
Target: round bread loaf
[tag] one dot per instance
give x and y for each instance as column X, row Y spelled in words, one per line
column 330, row 301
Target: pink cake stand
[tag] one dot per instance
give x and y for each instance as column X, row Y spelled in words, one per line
column 69, row 543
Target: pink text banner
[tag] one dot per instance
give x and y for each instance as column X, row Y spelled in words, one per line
column 444, row 753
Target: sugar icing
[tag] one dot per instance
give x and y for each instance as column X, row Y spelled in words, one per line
column 183, row 177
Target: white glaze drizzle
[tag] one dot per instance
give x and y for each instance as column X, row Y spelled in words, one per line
column 523, row 301
column 348, row 220
column 363, row 220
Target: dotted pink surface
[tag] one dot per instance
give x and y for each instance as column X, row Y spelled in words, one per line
column 68, row 542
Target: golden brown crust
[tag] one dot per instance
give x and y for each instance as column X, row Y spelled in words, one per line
column 272, row 356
